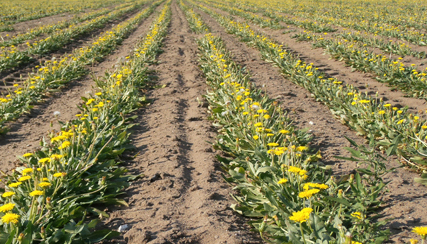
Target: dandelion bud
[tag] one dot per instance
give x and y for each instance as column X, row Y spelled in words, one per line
column 263, row 224
column 48, row 203
column 351, row 179
column 348, row 238
column 51, row 123
column 278, row 222
column 42, row 233
column 340, row 193
column 20, row 237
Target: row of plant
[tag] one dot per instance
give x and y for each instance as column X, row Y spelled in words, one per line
column 392, row 47
column 12, row 12
column 315, row 20
column 391, row 129
column 387, row 70
column 276, row 18
column 11, row 57
column 196, row 25
column 377, row 27
column 406, row 15
column 52, row 199
column 345, row 47
column 391, row 71
column 54, row 73
column 263, row 22
column 293, row 197
column 50, row 28
column 283, row 182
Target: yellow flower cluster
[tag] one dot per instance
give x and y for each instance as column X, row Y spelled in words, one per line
column 301, row 216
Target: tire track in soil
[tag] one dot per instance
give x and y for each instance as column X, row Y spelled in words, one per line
column 182, row 198
column 27, row 131
column 404, row 199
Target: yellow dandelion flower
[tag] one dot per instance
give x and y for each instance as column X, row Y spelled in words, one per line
column 413, row 241
column 302, row 148
column 294, row 169
column 44, row 184
column 421, row 231
column 64, row 145
column 56, row 156
column 36, row 193
column 16, row 184
column 259, row 124
column 308, row 193
column 8, row 194
column 282, row 181
column 90, row 101
column 27, row 171
column 10, row 218
column 24, row 178
column 7, row 207
column 44, row 160
column 301, row 216
column 59, row 175
column 27, row 155
column 357, row 215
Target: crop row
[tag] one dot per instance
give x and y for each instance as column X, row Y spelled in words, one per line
column 386, row 70
column 273, row 19
column 391, row 129
column 360, row 21
column 12, row 57
column 49, row 200
column 48, row 29
column 18, row 11
column 357, row 55
column 387, row 46
column 56, row 72
column 268, row 160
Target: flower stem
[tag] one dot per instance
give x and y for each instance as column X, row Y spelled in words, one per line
column 302, row 232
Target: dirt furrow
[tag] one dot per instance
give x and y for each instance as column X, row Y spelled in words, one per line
column 404, row 196
column 182, row 198
column 27, row 131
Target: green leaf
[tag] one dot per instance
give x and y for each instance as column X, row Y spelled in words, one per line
column 353, row 152
column 339, row 200
column 392, row 150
